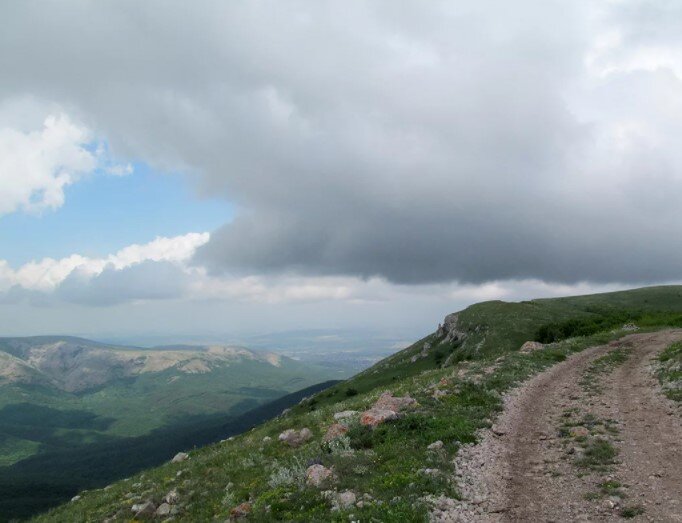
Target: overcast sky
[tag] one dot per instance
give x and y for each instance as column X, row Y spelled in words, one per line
column 223, row 167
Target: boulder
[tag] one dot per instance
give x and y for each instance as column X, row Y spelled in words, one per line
column 172, row 497
column 345, row 414
column 346, row 499
column 240, row 511
column 436, row 445
column 437, row 394
column 295, row 438
column 318, row 475
column 389, row 402
column 531, row 346
column 144, row 509
column 180, row 457
column 163, row 510
column 374, row 417
column 335, row 431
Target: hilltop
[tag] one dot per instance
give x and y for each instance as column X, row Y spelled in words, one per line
column 381, row 445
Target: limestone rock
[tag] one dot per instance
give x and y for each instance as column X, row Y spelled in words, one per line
column 163, row 510
column 172, row 497
column 346, row 499
column 335, row 431
column 345, row 414
column 318, row 475
column 374, row 417
column 436, row 445
column 144, row 509
column 389, row 402
column 295, row 438
column 449, row 329
column 531, row 346
column 180, row 457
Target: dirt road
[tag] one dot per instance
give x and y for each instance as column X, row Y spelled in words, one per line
column 590, row 439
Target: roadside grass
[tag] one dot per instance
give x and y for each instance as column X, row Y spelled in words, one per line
column 632, row 511
column 670, row 371
column 598, row 456
column 591, row 379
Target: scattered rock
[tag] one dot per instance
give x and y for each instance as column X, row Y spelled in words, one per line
column 436, row 445
column 374, row 417
column 163, row 510
column 75, row 498
column 345, row 414
column 172, row 497
column 295, row 438
column 143, row 509
column 396, row 403
column 346, row 499
column 240, row 511
column 437, row 394
column 630, row 327
column 318, row 475
column 335, row 431
column 267, row 439
column 531, row 346
column 180, row 457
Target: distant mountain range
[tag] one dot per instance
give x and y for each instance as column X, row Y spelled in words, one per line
column 63, row 397
column 91, row 392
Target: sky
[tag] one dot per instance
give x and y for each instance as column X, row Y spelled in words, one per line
column 221, row 168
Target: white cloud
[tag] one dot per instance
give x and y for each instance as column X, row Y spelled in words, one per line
column 47, row 274
column 37, row 164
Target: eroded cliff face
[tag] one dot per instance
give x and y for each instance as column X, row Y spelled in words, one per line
column 449, row 330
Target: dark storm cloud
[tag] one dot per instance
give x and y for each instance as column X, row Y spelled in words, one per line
column 465, row 141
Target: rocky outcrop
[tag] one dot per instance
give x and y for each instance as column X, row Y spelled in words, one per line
column 385, row 409
column 295, row 438
column 449, row 330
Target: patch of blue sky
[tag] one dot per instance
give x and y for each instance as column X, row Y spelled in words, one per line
column 103, row 213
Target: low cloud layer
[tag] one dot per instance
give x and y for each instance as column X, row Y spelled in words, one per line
column 417, row 143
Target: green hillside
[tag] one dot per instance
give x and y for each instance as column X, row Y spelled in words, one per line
column 457, row 376
column 58, row 393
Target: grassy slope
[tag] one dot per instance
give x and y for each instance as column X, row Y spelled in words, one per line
column 129, row 408
column 384, row 463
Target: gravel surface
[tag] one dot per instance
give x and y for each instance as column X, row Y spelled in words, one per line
column 531, row 466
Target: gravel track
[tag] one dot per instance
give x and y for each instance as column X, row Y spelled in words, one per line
column 526, row 469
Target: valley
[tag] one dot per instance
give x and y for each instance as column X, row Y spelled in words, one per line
column 74, row 412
